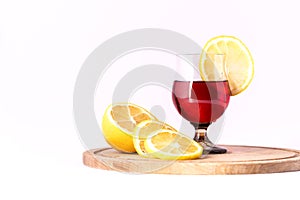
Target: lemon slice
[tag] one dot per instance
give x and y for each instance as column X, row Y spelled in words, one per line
column 119, row 122
column 172, row 145
column 239, row 65
column 143, row 130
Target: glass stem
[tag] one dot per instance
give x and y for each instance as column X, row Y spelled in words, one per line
column 201, row 134
column 204, row 141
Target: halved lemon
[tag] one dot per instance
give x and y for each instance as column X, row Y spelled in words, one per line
column 172, row 145
column 239, row 64
column 143, row 130
column 119, row 122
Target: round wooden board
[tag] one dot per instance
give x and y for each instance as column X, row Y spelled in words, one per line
column 238, row 160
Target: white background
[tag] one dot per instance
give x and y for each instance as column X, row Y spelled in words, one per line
column 42, row 47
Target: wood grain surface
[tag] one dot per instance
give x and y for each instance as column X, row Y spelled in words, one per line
column 238, row 160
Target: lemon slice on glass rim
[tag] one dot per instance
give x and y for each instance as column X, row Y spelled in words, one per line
column 239, row 64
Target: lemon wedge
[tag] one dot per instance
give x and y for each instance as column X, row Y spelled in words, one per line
column 143, row 130
column 119, row 122
column 172, row 145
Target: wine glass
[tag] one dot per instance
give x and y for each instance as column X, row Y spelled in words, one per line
column 202, row 102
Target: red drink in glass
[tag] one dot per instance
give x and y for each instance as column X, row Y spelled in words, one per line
column 201, row 102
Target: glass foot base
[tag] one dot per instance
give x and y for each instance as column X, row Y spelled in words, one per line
column 214, row 150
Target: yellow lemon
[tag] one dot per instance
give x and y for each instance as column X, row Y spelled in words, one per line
column 119, row 122
column 239, row 64
column 142, row 131
column 172, row 145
